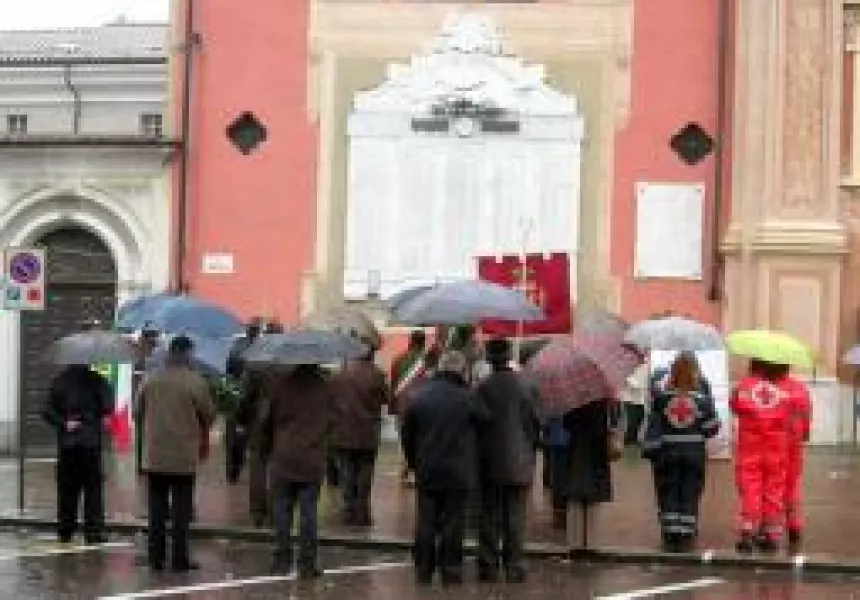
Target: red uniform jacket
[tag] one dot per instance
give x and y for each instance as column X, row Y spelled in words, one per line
column 764, row 412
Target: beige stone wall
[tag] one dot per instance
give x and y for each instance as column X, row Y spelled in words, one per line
column 586, row 51
column 786, row 242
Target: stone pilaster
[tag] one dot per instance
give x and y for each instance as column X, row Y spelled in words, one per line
column 785, row 244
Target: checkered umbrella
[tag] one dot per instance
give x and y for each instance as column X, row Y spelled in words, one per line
column 575, row 370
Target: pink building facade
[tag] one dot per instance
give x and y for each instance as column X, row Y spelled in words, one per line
column 266, row 229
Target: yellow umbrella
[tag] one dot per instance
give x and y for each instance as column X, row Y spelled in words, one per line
column 770, row 346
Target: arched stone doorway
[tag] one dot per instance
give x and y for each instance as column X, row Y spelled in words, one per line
column 82, row 288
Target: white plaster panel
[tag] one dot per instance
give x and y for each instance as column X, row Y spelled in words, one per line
column 423, row 205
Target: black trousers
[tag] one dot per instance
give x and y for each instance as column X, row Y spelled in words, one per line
column 286, row 497
column 559, row 475
column 79, row 472
column 357, row 468
column 236, row 440
column 634, row 415
column 679, row 482
column 439, row 532
column 502, row 527
column 259, row 496
column 169, row 496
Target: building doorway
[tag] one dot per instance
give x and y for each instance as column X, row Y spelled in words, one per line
column 81, row 289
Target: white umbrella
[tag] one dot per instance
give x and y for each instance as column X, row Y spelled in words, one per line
column 674, row 333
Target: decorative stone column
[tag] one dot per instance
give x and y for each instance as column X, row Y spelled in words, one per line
column 785, row 244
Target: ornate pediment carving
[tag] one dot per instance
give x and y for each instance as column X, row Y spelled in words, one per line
column 467, row 66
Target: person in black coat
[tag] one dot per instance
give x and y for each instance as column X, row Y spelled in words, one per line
column 235, row 434
column 683, row 417
column 590, row 476
column 439, row 441
column 79, row 403
column 507, row 447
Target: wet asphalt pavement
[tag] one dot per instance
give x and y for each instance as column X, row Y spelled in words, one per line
column 32, row 568
column 831, row 497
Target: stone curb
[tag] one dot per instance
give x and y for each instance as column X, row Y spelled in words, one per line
column 607, row 555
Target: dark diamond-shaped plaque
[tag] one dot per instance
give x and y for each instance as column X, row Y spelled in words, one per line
column 246, row 133
column 692, row 144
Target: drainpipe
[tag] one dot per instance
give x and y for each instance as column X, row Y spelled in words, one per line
column 76, row 99
column 182, row 208
column 715, row 290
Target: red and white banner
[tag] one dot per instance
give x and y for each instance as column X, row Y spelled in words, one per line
column 546, row 283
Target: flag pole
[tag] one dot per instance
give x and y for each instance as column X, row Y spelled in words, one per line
column 525, row 230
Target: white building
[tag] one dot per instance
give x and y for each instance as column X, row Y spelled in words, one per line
column 85, row 160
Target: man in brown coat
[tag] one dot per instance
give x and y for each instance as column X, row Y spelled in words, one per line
column 294, row 421
column 176, row 409
column 361, row 393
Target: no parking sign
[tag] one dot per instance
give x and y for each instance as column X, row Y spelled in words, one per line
column 24, row 275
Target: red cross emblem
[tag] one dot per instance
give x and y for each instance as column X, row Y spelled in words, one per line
column 681, row 412
column 766, row 395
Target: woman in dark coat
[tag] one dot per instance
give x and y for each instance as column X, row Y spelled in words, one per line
column 590, row 476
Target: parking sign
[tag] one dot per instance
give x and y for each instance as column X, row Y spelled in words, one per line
column 24, row 274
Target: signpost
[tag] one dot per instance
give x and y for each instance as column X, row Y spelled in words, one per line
column 24, row 271
column 23, row 289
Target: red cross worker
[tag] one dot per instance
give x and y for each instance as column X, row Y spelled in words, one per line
column 798, row 434
column 763, row 409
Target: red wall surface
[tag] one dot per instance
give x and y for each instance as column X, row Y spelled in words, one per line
column 259, row 207
column 674, row 74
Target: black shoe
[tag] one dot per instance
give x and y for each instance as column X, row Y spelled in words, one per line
column 768, row 545
column 670, row 543
column 282, row 564
column 309, row 573
column 96, row 539
column 185, row 567
column 745, row 545
column 423, row 578
column 156, row 565
column 488, row 573
column 686, row 544
column 452, row 576
column 515, row 575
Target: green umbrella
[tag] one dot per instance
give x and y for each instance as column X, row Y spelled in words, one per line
column 771, row 346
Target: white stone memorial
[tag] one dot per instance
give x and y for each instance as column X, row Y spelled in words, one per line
column 450, row 158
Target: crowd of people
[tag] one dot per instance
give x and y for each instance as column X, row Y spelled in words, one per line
column 470, row 426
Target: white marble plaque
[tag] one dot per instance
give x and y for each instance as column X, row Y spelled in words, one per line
column 669, row 230
column 423, row 204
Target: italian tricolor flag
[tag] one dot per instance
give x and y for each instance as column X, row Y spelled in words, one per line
column 120, row 378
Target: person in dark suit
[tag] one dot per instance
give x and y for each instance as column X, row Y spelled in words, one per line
column 507, row 447
column 440, row 444
column 80, row 402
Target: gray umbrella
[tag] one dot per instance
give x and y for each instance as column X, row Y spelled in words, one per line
column 306, row 346
column 347, row 320
column 852, row 357
column 93, row 347
column 405, row 295
column 674, row 333
column 599, row 322
column 465, row 303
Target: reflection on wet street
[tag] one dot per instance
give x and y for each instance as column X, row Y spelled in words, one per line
column 32, row 568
